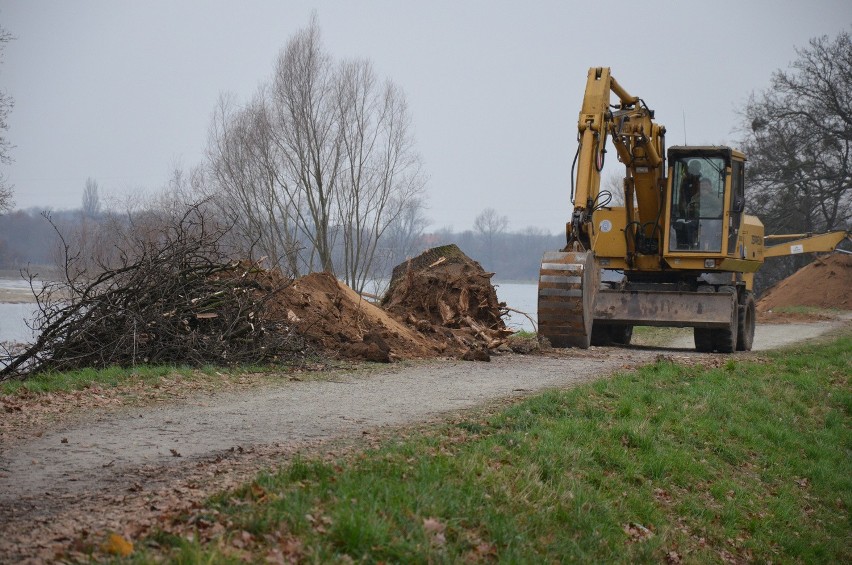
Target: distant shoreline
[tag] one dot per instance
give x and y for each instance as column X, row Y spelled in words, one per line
column 16, row 296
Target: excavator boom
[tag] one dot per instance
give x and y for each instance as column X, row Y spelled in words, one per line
column 568, row 279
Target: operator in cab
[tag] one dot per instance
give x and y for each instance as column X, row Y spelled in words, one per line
column 706, row 206
column 706, row 203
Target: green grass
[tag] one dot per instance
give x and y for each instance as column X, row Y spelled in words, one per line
column 153, row 374
column 651, row 336
column 524, row 334
column 808, row 310
column 750, row 462
column 77, row 380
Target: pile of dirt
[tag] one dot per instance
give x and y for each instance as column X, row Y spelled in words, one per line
column 448, row 296
column 441, row 303
column 824, row 284
column 336, row 320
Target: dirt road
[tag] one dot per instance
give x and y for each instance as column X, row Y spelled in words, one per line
column 119, row 470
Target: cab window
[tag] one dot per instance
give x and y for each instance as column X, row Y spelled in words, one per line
column 698, row 190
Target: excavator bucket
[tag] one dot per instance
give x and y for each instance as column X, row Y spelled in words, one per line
column 567, row 285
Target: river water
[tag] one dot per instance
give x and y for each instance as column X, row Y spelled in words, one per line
column 520, row 296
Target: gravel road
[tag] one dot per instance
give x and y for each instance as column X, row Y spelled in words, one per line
column 67, row 480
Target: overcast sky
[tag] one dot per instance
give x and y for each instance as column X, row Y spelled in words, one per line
column 121, row 91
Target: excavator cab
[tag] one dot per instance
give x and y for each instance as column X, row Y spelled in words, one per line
column 697, row 204
column 706, row 196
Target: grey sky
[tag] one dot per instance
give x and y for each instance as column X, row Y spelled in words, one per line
column 122, row 90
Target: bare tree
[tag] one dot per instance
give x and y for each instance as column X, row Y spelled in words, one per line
column 489, row 225
column 405, row 232
column 6, row 105
column 246, row 171
column 489, row 222
column 306, row 131
column 319, row 165
column 381, row 173
column 91, row 199
column 798, row 137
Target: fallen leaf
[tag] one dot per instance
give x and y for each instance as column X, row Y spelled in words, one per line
column 258, row 492
column 433, row 525
column 637, row 531
column 115, row 544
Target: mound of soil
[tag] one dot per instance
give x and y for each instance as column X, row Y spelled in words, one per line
column 446, row 295
column 825, row 283
column 335, row 319
column 441, row 303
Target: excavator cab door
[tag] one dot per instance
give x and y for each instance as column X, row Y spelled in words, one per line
column 737, row 204
column 697, row 207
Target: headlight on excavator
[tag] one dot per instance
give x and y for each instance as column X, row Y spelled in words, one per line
column 709, row 263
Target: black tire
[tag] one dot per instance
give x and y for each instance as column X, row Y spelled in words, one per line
column 746, row 319
column 621, row 334
column 725, row 339
column 703, row 340
column 601, row 335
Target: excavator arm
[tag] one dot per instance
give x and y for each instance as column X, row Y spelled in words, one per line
column 569, row 279
column 639, row 144
column 794, row 244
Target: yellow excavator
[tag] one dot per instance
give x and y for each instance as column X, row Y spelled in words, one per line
column 681, row 252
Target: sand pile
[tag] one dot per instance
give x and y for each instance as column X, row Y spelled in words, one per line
column 441, row 303
column 825, row 283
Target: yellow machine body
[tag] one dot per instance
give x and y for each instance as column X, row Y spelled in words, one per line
column 681, row 251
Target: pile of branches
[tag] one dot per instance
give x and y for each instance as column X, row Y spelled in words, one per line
column 170, row 296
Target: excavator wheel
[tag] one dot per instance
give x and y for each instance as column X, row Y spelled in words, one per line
column 725, row 339
column 621, row 334
column 703, row 340
column 567, row 285
column 745, row 321
column 600, row 335
column 618, row 334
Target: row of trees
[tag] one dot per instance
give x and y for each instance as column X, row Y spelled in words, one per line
column 27, row 238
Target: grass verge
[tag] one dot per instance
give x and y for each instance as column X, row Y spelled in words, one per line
column 78, row 380
column 747, row 462
column 807, row 311
column 112, row 377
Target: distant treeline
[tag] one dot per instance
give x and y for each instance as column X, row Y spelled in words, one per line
column 28, row 239
column 512, row 256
